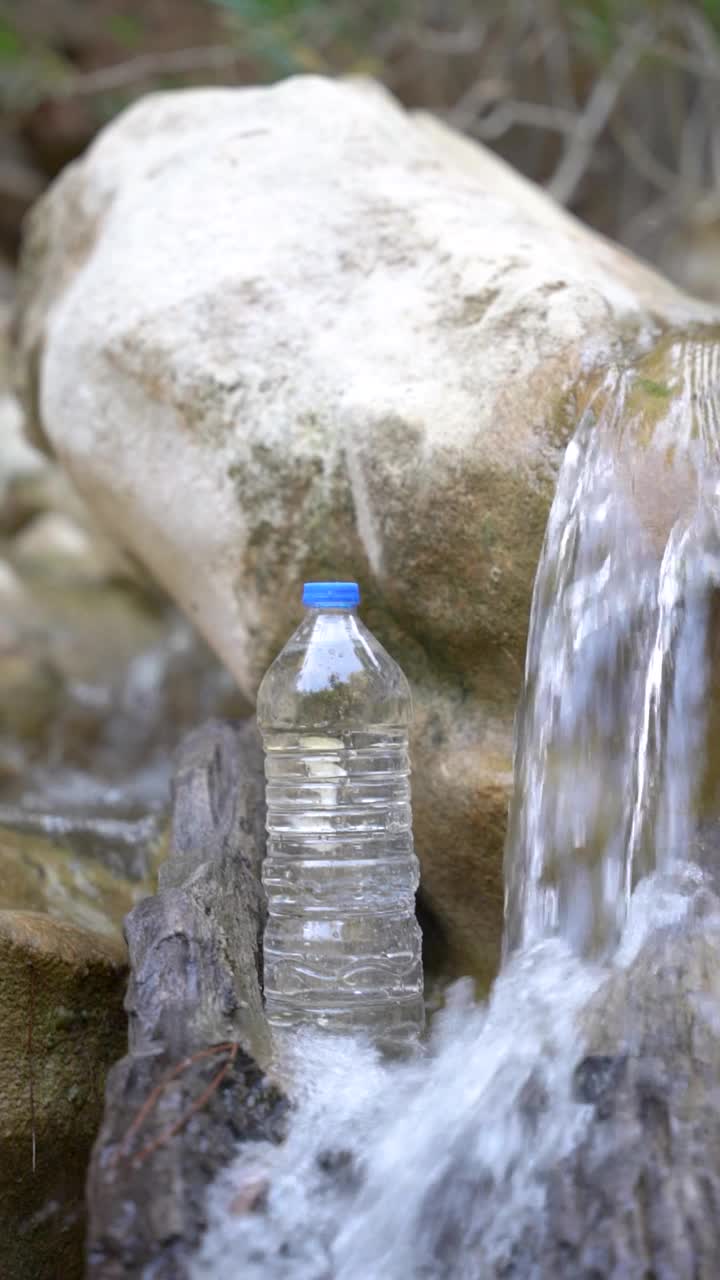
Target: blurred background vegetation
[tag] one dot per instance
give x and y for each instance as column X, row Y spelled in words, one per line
column 613, row 105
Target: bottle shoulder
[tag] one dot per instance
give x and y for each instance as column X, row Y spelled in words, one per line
column 333, row 671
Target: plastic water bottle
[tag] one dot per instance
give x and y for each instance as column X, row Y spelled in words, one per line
column 342, row 947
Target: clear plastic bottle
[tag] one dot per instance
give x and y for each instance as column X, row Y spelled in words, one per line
column 342, row 946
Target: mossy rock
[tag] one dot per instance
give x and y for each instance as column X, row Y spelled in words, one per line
column 40, row 875
column 63, row 1025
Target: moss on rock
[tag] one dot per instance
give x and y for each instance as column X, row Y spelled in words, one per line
column 63, row 1025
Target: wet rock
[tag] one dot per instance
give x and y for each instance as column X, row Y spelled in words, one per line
column 42, row 875
column 128, row 844
column 39, row 504
column 33, row 487
column 54, row 545
column 20, row 186
column 18, row 459
column 639, row 1195
column 98, row 681
column 192, row 1084
column 99, row 677
column 61, row 1013
column 375, row 379
column 32, row 689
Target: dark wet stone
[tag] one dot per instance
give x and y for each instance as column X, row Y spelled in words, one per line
column 596, row 1079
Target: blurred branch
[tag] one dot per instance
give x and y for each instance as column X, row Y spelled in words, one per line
column 151, row 66
column 639, row 155
column 558, row 64
column 692, row 150
column 468, row 39
column 685, row 60
column 481, row 92
column 600, row 106
column 535, row 115
column 648, row 220
column 626, row 90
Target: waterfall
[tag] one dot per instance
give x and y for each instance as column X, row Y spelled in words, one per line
column 460, row 1164
column 612, row 732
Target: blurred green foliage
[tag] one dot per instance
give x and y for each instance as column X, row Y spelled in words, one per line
column 268, row 10
column 11, row 46
column 128, row 29
column 288, row 36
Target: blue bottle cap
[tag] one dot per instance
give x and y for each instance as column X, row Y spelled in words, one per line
column 331, row 595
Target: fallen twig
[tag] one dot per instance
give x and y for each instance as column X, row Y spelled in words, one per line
column 230, row 1047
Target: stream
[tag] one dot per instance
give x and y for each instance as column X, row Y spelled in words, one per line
column 445, row 1167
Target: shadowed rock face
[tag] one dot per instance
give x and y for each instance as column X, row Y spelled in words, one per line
column 315, row 338
column 195, row 1010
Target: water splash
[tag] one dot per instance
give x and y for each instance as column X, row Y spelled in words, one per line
column 399, row 1171
column 485, row 1159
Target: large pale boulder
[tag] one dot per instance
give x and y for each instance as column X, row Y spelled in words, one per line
column 285, row 333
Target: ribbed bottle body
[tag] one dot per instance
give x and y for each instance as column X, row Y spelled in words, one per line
column 342, row 947
column 342, row 944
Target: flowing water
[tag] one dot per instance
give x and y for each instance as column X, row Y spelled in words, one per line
column 612, row 735
column 437, row 1168
column 382, row 1163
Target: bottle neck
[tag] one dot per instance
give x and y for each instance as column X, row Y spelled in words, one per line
column 314, row 611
